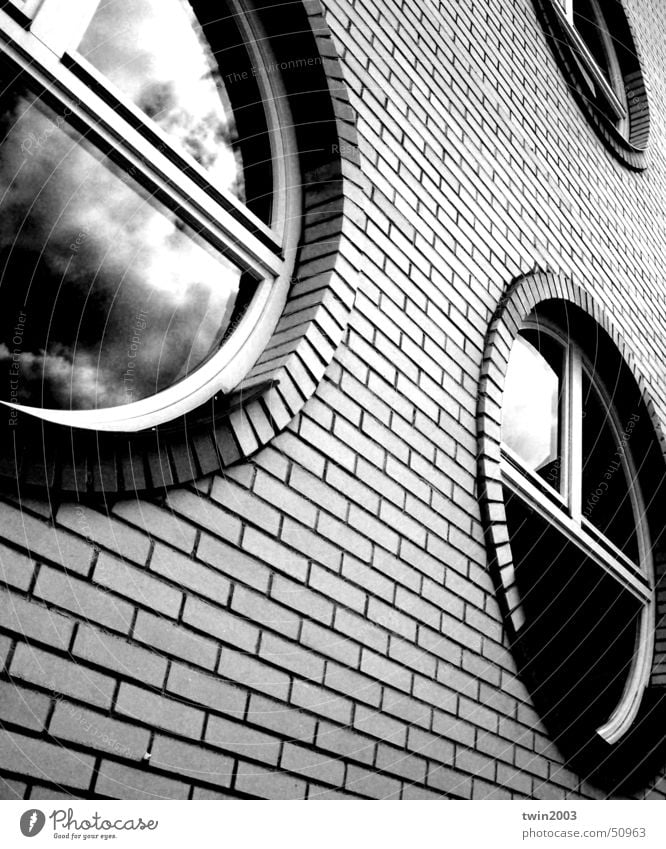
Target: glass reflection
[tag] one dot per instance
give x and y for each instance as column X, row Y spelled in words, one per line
column 106, row 297
column 606, row 500
column 155, row 52
column 530, row 409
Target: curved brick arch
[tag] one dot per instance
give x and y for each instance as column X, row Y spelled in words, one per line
column 225, row 430
column 522, row 297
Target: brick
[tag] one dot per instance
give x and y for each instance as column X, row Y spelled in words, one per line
column 20, row 706
column 302, row 599
column 264, row 612
column 46, row 761
column 326, row 642
column 5, row 646
column 312, row 764
column 206, row 690
column 283, row 497
column 43, row 542
column 240, row 739
column 175, row 639
column 118, row 781
column 62, row 676
column 137, row 585
column 219, row 623
column 342, row 535
column 400, row 763
column 15, row 568
column 105, row 531
column 205, row 513
column 297, row 450
column 159, row 522
column 322, row 702
column 353, row 684
column 11, row 790
column 243, row 503
column 86, row 601
column 311, row 544
column 189, row 761
column 252, row 673
column 94, row 730
column 281, row 718
column 188, row 573
column 386, row 671
column 275, row 554
column 346, row 743
column 292, row 657
column 371, row 784
column 392, row 619
column 120, row 656
column 266, row 784
column 159, row 711
column 320, row 493
column 33, row 621
column 331, row 586
column 359, row 629
column 233, row 563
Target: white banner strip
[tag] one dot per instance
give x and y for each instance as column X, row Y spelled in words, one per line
column 320, row 825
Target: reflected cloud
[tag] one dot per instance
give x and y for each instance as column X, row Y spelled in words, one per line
column 83, row 250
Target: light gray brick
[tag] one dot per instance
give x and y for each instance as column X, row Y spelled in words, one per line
column 188, row 573
column 190, row 761
column 268, row 784
column 253, row 673
column 120, row 656
column 137, row 585
column 159, row 711
column 23, row 707
column 33, row 621
column 46, row 761
column 62, row 676
column 96, row 731
column 118, row 781
column 106, row 531
column 217, row 622
column 206, row 690
column 174, row 639
column 240, row 739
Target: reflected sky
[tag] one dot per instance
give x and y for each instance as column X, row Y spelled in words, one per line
column 119, row 298
column 155, row 52
column 530, row 407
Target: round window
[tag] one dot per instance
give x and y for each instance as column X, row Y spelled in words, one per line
column 579, row 538
column 594, row 44
column 149, row 209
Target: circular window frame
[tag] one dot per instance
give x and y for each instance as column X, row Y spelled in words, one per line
column 526, row 294
column 228, row 428
column 225, row 368
column 628, row 138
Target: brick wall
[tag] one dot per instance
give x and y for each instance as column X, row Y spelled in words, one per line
column 319, row 622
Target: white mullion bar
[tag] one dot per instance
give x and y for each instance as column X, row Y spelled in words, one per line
column 141, row 157
column 630, row 579
column 80, row 65
column 575, row 433
column 28, row 7
column 602, row 86
column 61, row 23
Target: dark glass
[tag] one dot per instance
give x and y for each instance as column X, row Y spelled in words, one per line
column 531, row 417
column 589, row 26
column 606, row 501
column 106, row 296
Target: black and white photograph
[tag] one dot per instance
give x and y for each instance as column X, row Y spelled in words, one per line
column 333, row 418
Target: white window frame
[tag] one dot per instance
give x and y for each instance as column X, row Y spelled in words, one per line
column 564, row 511
column 267, row 252
column 612, row 92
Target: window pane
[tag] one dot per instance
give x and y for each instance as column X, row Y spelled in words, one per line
column 531, row 404
column 589, row 25
column 155, row 52
column 106, row 296
column 606, row 488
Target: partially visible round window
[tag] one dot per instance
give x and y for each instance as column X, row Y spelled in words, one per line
column 149, row 208
column 572, row 485
column 579, row 537
column 594, row 44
